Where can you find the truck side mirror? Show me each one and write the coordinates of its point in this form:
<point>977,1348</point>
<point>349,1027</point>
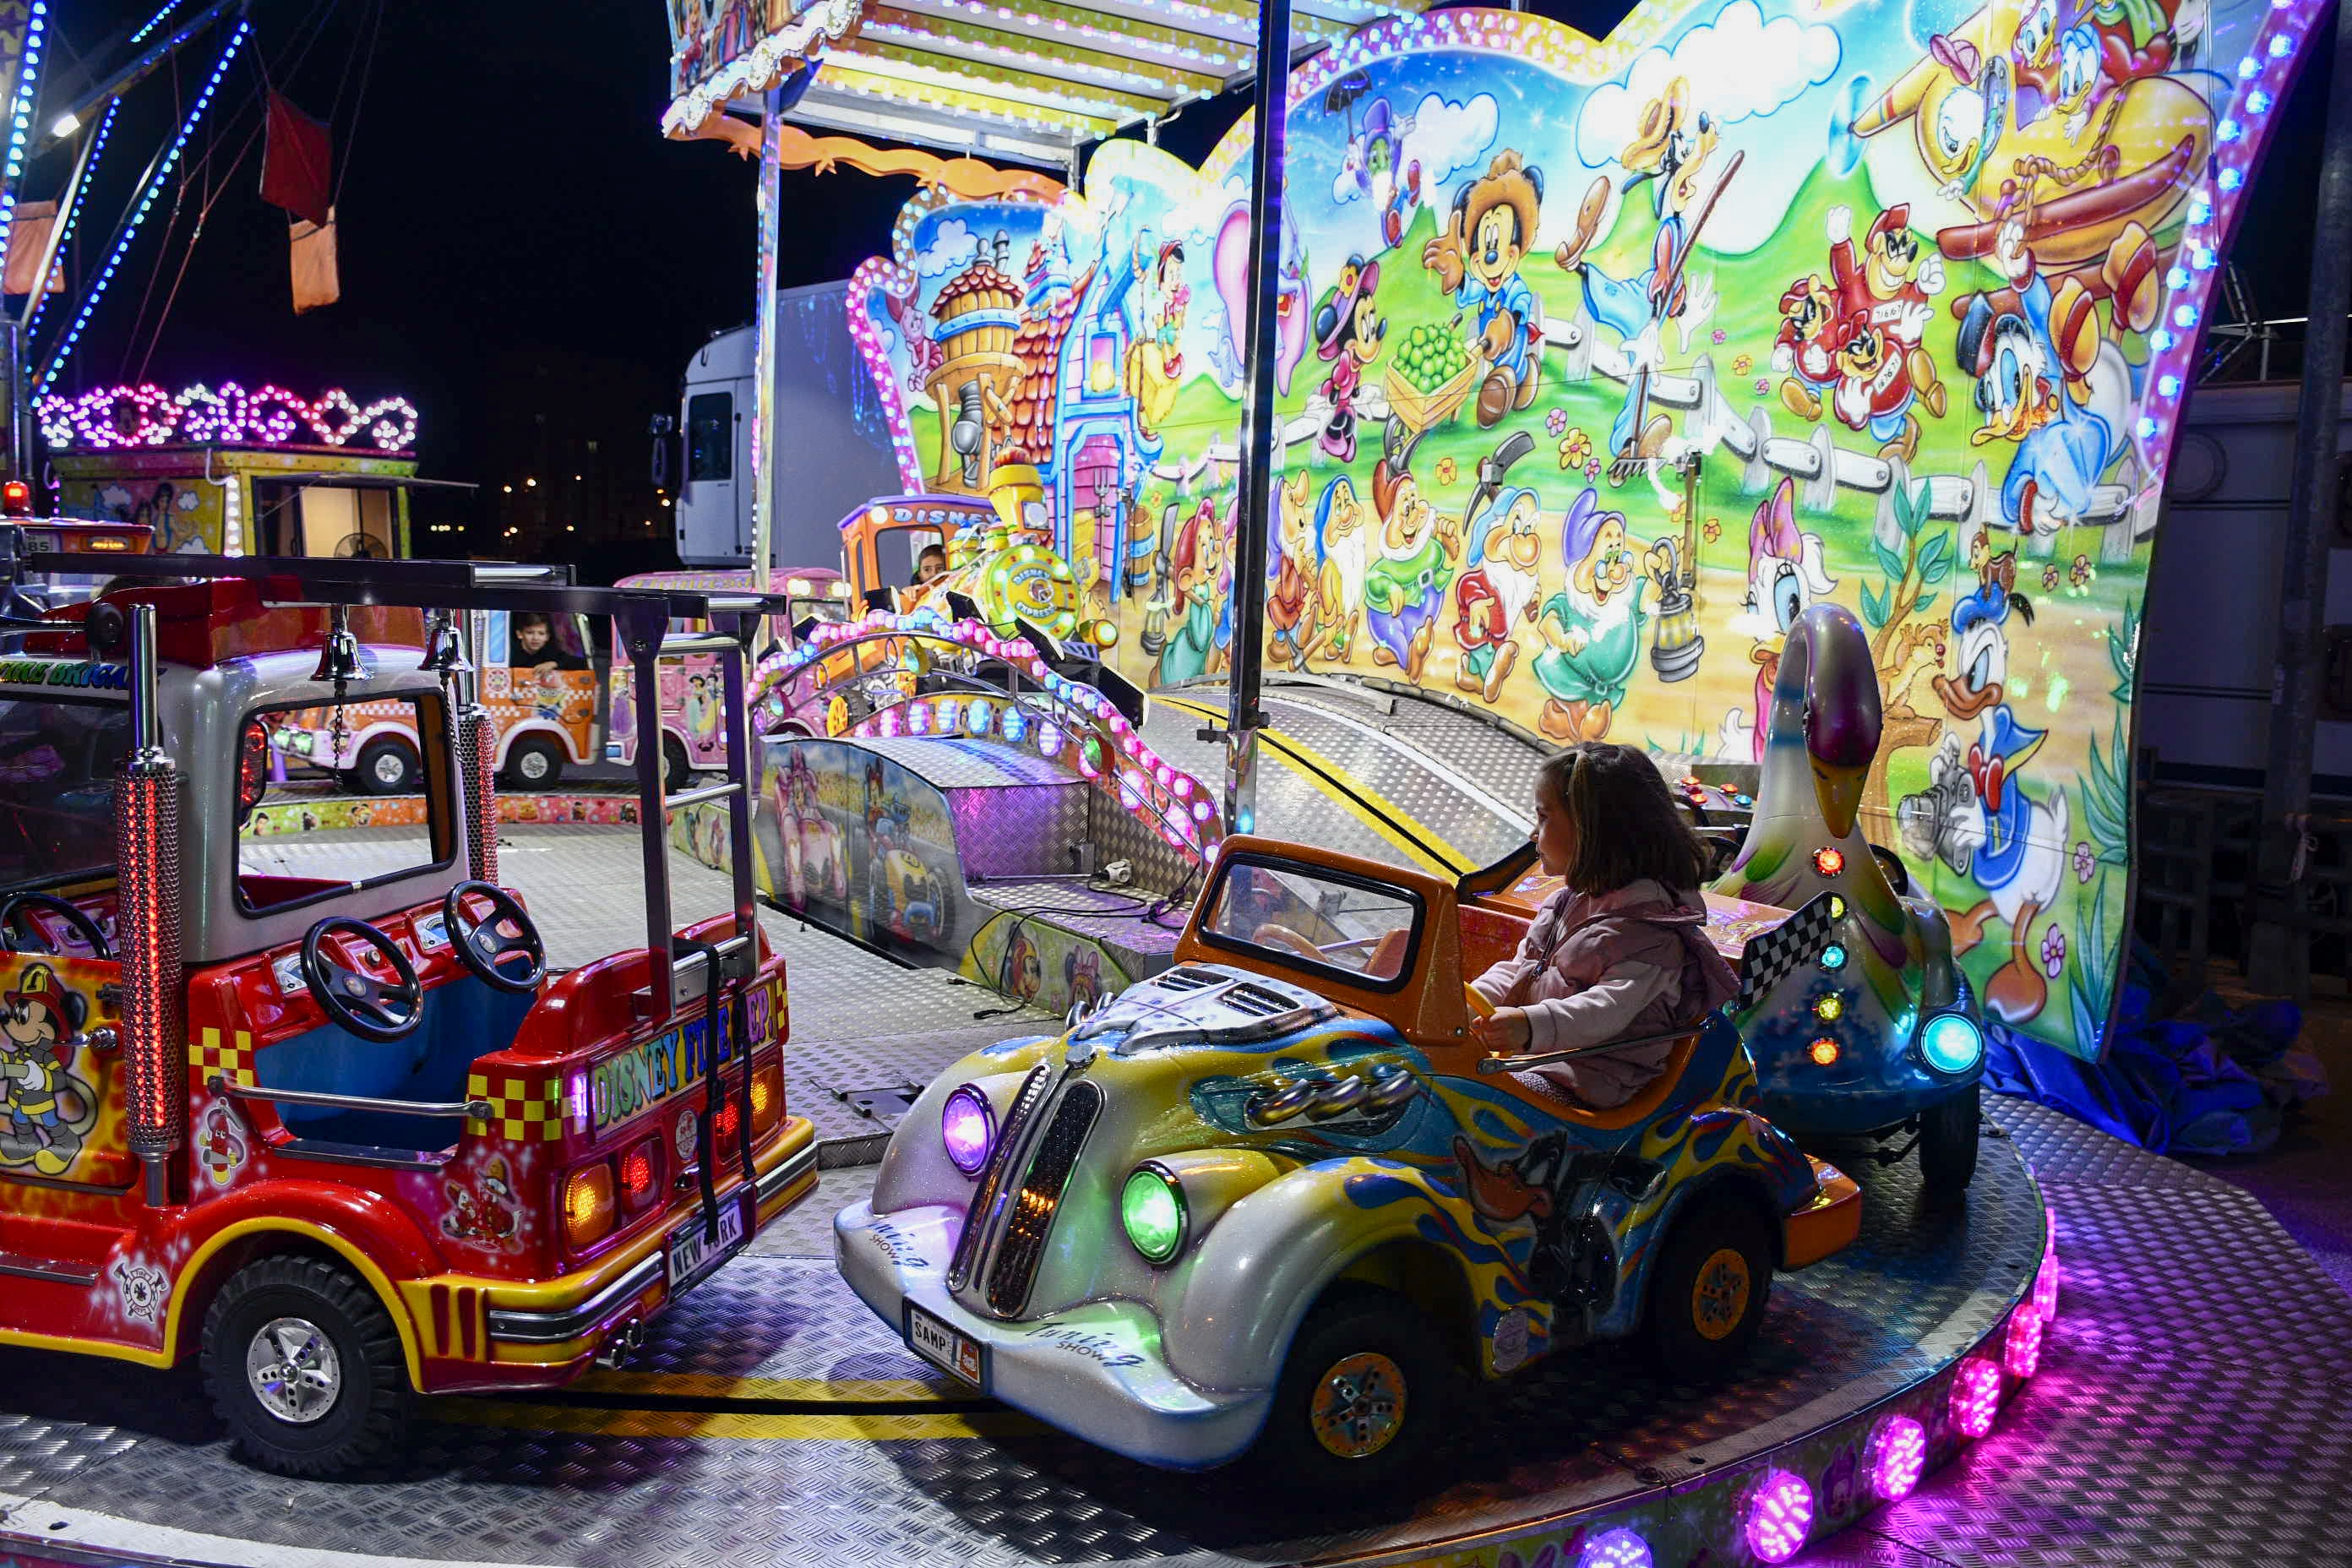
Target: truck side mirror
<point>663,430</point>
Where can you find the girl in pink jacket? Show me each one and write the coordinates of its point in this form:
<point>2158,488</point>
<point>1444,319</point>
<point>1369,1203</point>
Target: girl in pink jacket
<point>1621,948</point>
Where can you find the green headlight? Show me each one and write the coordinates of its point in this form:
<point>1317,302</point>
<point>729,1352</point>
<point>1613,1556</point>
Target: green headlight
<point>1151,1207</point>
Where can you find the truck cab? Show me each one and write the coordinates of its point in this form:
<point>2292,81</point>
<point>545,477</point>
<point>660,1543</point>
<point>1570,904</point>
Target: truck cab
<point>316,1112</point>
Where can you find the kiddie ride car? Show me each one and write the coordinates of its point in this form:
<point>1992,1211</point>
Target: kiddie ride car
<point>317,1110</point>
<point>1860,1022</point>
<point>1266,1196</point>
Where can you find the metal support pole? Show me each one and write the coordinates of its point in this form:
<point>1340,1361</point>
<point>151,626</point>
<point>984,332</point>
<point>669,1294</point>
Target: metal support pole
<point>638,634</point>
<point>2278,949</point>
<point>1269,94</point>
<point>20,463</point>
<point>768,204</point>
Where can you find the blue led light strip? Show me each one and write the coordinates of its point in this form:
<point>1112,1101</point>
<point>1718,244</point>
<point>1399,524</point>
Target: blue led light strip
<point>73,214</point>
<point>156,20</point>
<point>154,186</point>
<point>20,117</point>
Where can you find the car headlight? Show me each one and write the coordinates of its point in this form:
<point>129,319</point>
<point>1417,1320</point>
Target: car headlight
<point>1951,1043</point>
<point>1152,1208</point>
<point>967,1128</point>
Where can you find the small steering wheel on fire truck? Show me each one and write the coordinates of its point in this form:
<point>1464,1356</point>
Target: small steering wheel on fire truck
<point>488,946</point>
<point>16,936</point>
<point>371,1008</point>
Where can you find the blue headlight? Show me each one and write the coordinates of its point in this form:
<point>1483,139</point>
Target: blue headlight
<point>1952,1042</point>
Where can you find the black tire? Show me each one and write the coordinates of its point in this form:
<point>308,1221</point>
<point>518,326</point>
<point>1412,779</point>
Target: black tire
<point>1709,1289</point>
<point>1947,1144</point>
<point>676,770</point>
<point>535,762</point>
<point>1385,1336</point>
<point>386,766</point>
<point>369,1400</point>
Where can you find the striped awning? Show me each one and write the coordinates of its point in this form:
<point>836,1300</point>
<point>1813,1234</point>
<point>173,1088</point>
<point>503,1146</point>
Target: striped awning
<point>1024,80</point>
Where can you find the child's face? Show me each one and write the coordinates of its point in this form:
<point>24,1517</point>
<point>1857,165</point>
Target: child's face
<point>533,635</point>
<point>1555,833</point>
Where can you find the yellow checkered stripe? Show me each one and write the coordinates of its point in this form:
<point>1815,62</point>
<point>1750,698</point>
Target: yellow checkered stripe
<point>520,1111</point>
<point>233,1061</point>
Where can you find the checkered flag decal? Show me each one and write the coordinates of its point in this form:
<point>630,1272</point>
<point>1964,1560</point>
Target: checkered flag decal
<point>1771,956</point>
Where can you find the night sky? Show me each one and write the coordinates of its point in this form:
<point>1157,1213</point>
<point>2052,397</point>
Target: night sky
<point>527,259</point>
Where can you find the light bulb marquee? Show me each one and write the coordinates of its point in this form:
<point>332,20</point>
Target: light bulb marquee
<point>112,418</point>
<point>1062,720</point>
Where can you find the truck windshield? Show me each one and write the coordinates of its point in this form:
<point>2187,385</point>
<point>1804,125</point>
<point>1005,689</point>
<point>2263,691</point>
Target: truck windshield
<point>59,759</point>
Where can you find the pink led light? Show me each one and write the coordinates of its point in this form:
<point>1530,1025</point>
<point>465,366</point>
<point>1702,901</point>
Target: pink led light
<point>1899,1457</point>
<point>1779,1516</point>
<point>1976,1397</point>
<point>1619,1548</point>
<point>2022,1351</point>
<point>2045,1290</point>
<point>114,417</point>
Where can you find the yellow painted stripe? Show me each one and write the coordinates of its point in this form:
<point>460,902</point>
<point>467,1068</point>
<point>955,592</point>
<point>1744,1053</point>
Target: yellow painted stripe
<point>844,1428</point>
<point>1370,810</point>
<point>715,1386</point>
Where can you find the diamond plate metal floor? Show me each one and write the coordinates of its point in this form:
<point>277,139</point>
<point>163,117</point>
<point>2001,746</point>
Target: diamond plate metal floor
<point>771,1418</point>
<point>860,1021</point>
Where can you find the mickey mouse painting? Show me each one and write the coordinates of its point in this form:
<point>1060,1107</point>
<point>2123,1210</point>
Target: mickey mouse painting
<point>49,1111</point>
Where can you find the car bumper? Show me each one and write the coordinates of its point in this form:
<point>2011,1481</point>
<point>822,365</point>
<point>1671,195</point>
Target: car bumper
<point>1095,1371</point>
<point>541,1336</point>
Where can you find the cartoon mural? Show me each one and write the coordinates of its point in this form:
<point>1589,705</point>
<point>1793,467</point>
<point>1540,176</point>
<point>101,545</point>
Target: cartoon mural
<point>1625,353</point>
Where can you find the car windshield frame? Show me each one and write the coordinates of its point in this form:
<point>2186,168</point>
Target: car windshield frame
<point>1287,958</point>
<point>75,876</point>
<point>441,829</point>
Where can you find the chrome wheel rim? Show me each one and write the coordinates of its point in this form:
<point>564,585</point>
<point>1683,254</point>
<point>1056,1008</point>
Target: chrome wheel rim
<point>1359,1405</point>
<point>389,768</point>
<point>293,1371</point>
<point>532,765</point>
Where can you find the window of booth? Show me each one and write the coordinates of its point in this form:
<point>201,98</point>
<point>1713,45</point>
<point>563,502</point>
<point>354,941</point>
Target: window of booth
<point>294,845</point>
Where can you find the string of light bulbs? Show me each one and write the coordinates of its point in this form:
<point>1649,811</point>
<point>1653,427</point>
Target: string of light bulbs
<point>154,186</point>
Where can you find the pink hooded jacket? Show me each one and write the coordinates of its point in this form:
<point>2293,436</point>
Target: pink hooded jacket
<point>1597,967</point>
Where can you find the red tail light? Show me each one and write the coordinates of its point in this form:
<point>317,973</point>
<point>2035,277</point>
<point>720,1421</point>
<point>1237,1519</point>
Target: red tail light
<point>640,1174</point>
<point>725,1126</point>
<point>15,498</point>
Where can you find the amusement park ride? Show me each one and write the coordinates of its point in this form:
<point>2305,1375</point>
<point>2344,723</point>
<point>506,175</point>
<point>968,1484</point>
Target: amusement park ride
<point>1257,1181</point>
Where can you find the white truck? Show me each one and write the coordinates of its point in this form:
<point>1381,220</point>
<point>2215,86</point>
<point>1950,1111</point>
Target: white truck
<point>830,444</point>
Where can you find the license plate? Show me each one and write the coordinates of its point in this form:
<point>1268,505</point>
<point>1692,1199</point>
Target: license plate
<point>693,1255</point>
<point>947,1348</point>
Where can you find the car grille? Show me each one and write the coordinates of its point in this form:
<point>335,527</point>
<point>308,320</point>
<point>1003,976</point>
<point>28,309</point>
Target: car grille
<point>1031,1214</point>
<point>988,1197</point>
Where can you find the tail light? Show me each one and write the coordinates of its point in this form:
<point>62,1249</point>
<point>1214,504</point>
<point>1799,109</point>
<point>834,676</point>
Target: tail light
<point>588,1203</point>
<point>767,1099</point>
<point>641,1175</point>
<point>725,1125</point>
<point>15,498</point>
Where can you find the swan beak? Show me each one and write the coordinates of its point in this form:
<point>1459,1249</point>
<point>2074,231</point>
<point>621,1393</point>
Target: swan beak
<point>1839,790</point>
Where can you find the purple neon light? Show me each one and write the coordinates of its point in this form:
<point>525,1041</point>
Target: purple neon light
<point>966,1128</point>
<point>1779,1516</point>
<point>1619,1548</point>
<point>1976,1397</point>
<point>2022,1353</point>
<point>1899,1457</point>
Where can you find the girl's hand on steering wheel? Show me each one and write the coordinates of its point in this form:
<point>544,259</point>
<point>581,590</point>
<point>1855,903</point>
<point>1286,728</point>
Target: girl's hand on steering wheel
<point>1502,1031</point>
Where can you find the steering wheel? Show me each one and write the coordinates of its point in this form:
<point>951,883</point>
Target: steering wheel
<point>13,934</point>
<point>506,933</point>
<point>360,1002</point>
<point>1274,933</point>
<point>1476,1000</point>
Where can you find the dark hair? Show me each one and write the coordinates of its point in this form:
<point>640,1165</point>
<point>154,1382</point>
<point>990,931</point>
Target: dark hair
<point>527,618</point>
<point>1627,825</point>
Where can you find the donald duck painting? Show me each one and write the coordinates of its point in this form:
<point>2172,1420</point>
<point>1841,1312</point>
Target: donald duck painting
<point>1976,815</point>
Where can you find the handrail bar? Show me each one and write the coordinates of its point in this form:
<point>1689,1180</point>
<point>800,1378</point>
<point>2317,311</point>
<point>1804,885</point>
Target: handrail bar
<point>451,1110</point>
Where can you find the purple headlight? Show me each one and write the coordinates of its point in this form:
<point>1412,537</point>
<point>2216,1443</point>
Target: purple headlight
<point>967,1127</point>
